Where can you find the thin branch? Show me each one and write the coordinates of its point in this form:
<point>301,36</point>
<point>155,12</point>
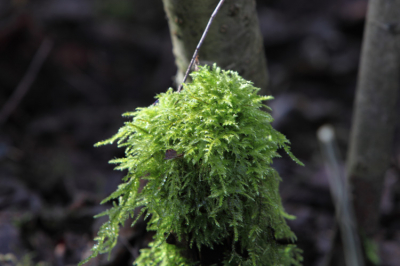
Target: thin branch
<point>340,193</point>
<point>26,82</point>
<point>200,43</point>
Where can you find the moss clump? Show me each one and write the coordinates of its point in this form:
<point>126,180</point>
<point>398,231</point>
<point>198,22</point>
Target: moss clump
<point>206,154</point>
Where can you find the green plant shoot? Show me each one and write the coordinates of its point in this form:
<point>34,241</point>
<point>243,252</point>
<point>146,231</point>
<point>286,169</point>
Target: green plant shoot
<point>206,154</point>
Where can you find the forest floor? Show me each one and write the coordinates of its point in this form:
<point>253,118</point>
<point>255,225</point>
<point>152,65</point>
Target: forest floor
<point>108,57</point>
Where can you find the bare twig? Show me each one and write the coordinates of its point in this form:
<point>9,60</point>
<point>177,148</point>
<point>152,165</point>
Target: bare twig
<point>340,193</point>
<point>200,43</point>
<point>26,82</point>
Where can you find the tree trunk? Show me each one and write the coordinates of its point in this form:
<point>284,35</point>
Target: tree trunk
<point>374,114</point>
<point>234,40</point>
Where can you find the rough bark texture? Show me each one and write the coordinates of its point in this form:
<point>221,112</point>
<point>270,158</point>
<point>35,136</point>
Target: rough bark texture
<point>233,42</point>
<point>374,114</point>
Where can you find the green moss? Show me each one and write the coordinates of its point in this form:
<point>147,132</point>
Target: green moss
<point>371,250</point>
<point>206,154</point>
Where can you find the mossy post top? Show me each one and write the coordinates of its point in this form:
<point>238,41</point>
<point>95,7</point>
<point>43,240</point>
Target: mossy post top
<point>206,154</point>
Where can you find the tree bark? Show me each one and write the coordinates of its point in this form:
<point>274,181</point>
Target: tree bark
<point>374,114</point>
<point>234,40</point>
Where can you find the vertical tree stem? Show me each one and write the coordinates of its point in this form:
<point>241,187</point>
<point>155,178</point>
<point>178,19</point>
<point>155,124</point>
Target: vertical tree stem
<point>233,42</point>
<point>374,113</point>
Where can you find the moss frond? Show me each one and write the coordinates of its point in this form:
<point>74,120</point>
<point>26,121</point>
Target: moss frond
<point>219,182</point>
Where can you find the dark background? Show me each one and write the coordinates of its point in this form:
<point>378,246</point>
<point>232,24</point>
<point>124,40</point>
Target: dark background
<point>109,57</point>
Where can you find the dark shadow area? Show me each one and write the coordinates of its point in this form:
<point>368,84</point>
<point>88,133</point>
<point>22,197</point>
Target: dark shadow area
<point>109,57</point>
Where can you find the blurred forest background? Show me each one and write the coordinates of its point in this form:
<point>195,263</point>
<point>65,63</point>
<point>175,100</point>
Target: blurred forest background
<point>106,57</point>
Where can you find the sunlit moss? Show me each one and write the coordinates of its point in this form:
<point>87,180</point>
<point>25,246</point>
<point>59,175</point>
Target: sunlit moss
<point>206,154</point>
